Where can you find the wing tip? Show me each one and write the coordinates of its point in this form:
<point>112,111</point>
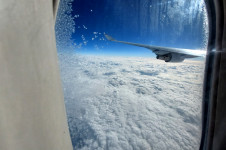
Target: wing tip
<point>109,37</point>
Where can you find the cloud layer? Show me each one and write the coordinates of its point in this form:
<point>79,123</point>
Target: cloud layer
<point>132,103</point>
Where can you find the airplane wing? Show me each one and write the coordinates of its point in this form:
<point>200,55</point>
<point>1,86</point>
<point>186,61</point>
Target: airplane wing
<point>163,51</point>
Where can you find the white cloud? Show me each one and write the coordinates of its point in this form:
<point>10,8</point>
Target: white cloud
<point>132,103</point>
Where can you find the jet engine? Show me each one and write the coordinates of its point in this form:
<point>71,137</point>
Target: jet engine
<point>171,57</point>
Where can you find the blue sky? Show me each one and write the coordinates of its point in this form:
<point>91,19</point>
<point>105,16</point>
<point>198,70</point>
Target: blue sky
<point>172,23</point>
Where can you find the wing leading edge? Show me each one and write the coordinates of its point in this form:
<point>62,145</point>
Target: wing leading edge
<point>161,51</point>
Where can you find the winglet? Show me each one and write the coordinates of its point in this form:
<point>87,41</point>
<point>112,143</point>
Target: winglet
<point>109,37</point>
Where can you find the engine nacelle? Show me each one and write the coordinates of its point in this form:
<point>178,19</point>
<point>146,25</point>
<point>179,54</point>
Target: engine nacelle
<point>171,57</point>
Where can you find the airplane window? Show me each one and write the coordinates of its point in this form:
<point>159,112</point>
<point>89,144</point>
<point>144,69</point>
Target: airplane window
<point>132,72</point>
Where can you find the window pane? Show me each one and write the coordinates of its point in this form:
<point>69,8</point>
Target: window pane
<point>119,96</point>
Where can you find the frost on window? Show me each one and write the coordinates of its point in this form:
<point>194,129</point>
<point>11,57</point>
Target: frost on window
<point>65,26</point>
<point>120,96</point>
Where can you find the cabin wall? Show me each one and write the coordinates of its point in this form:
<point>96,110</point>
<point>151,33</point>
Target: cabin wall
<point>32,111</point>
